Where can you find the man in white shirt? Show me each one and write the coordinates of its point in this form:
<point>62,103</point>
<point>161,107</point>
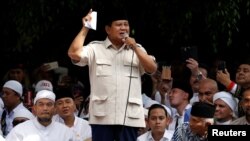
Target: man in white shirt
<point>41,128</point>
<point>158,121</point>
<point>12,98</point>
<point>116,65</point>
<point>65,108</point>
<point>179,97</point>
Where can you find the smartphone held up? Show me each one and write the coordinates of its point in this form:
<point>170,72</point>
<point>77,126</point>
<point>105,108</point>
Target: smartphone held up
<point>189,52</point>
<point>221,66</point>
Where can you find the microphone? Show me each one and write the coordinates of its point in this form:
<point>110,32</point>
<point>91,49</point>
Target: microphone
<point>125,36</point>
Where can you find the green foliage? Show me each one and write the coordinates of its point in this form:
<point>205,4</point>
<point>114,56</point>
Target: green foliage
<point>178,22</point>
<point>223,21</point>
<point>32,19</point>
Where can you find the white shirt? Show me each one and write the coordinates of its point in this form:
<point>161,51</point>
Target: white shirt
<point>81,128</point>
<point>110,75</point>
<point>194,99</point>
<point>148,136</point>
<point>1,138</point>
<point>180,118</point>
<point>32,130</point>
<point>10,117</point>
<point>1,106</point>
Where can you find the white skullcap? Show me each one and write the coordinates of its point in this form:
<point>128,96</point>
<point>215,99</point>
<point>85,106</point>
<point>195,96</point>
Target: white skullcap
<point>147,101</point>
<point>43,85</point>
<point>169,111</point>
<point>15,86</point>
<point>24,113</point>
<point>45,94</point>
<point>227,98</point>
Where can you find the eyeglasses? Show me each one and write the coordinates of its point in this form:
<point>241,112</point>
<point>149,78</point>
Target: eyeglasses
<point>15,122</point>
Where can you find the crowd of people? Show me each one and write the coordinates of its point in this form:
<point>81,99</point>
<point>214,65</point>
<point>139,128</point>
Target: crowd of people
<point>182,102</point>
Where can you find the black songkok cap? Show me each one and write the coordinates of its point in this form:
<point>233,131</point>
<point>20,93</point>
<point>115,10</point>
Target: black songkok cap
<point>203,110</point>
<point>183,85</point>
<point>114,12</point>
<point>63,93</point>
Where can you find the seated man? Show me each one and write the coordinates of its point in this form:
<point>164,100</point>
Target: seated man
<point>158,121</point>
<point>226,106</point>
<point>42,127</point>
<point>65,108</point>
<point>244,120</point>
<point>197,127</point>
<point>12,93</point>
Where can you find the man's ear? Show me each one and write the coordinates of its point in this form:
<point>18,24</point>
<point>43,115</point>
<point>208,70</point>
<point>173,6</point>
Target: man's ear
<point>33,110</point>
<point>186,95</point>
<point>107,29</point>
<point>168,120</point>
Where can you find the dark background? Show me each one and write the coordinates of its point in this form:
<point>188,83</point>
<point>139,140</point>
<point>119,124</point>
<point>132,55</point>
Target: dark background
<point>41,31</point>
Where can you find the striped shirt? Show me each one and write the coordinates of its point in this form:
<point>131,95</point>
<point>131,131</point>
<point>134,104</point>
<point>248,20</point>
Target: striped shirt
<point>184,133</point>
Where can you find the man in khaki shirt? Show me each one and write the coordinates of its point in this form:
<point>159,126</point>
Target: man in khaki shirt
<point>115,68</point>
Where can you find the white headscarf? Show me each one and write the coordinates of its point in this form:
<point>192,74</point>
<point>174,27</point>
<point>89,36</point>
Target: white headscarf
<point>227,98</point>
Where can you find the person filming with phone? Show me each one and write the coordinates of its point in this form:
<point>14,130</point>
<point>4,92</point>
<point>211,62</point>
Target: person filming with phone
<point>241,82</point>
<point>115,68</point>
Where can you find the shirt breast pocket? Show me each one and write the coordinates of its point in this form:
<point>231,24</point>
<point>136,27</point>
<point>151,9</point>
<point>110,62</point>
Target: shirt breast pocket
<point>99,105</point>
<point>131,66</point>
<point>134,108</point>
<point>104,67</point>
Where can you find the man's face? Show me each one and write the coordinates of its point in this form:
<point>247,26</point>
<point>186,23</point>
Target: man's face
<point>197,125</point>
<point>243,75</point>
<point>222,111</point>
<point>246,102</point>
<point>158,121</point>
<point>117,29</point>
<point>206,92</point>
<point>10,97</point>
<point>194,82</point>
<point>65,107</point>
<point>165,86</point>
<point>177,97</point>
<point>16,74</point>
<point>44,109</point>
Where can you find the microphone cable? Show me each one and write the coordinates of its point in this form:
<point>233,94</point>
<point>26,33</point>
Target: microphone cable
<point>129,86</point>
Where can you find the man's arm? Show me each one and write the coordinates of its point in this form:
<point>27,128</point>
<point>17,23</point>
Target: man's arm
<point>75,49</point>
<point>147,61</point>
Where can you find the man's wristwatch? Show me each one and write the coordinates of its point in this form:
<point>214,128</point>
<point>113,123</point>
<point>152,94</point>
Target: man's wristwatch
<point>199,76</point>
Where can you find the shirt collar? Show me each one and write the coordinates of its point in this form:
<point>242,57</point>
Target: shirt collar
<point>19,106</point>
<point>166,137</point>
<point>108,44</point>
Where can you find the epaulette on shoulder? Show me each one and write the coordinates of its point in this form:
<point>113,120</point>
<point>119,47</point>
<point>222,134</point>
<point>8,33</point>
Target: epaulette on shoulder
<point>96,42</point>
<point>139,45</point>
